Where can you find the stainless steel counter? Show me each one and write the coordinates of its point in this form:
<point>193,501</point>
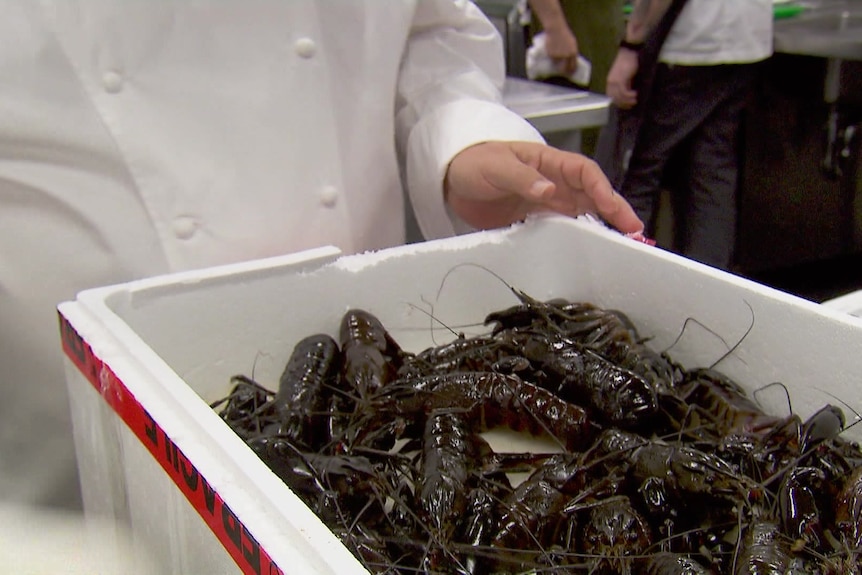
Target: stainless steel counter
<point>829,29</point>
<point>554,108</point>
<point>825,29</point>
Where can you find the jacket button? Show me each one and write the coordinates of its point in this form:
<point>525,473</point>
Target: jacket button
<point>328,196</point>
<point>112,82</point>
<point>305,47</point>
<point>184,227</point>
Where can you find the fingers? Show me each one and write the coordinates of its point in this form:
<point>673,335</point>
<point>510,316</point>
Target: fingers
<point>620,78</point>
<point>517,173</point>
<point>609,205</point>
<point>567,65</point>
<point>621,93</point>
<point>496,183</point>
<point>562,47</point>
<point>580,186</point>
<point>616,211</point>
<point>623,97</point>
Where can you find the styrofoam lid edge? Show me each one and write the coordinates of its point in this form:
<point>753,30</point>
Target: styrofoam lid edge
<point>849,303</point>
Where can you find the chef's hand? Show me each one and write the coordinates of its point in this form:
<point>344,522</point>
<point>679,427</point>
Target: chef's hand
<point>562,47</point>
<point>495,184</point>
<point>620,77</point>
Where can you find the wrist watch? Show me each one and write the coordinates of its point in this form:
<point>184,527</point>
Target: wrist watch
<point>633,46</point>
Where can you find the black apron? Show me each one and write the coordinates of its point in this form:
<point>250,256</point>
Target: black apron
<point>618,137</point>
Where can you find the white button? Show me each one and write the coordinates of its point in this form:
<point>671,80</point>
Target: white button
<point>328,196</point>
<point>112,82</point>
<point>184,227</point>
<point>305,47</point>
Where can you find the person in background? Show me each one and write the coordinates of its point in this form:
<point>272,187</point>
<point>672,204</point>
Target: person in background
<point>142,138</point>
<point>588,27</point>
<point>690,122</point>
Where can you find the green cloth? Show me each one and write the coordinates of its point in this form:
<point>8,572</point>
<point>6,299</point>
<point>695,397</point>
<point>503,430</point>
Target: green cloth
<point>598,25</point>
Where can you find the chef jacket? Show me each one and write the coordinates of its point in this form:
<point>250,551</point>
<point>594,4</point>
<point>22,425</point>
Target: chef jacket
<point>143,137</point>
<point>709,32</point>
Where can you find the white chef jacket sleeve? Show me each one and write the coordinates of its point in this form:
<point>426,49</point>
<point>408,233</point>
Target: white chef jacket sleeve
<point>449,98</point>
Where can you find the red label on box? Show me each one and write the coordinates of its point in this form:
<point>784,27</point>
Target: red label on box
<point>229,530</point>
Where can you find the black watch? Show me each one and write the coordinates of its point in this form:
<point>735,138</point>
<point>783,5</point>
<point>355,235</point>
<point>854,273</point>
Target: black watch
<point>633,46</point>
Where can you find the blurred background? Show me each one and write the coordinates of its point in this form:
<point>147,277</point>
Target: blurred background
<point>800,194</point>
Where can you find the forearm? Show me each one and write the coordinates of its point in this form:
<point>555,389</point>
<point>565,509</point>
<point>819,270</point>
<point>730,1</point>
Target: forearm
<point>646,14</point>
<point>549,13</point>
<point>448,100</point>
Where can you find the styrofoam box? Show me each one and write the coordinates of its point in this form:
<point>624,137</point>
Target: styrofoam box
<point>849,303</point>
<point>145,359</point>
